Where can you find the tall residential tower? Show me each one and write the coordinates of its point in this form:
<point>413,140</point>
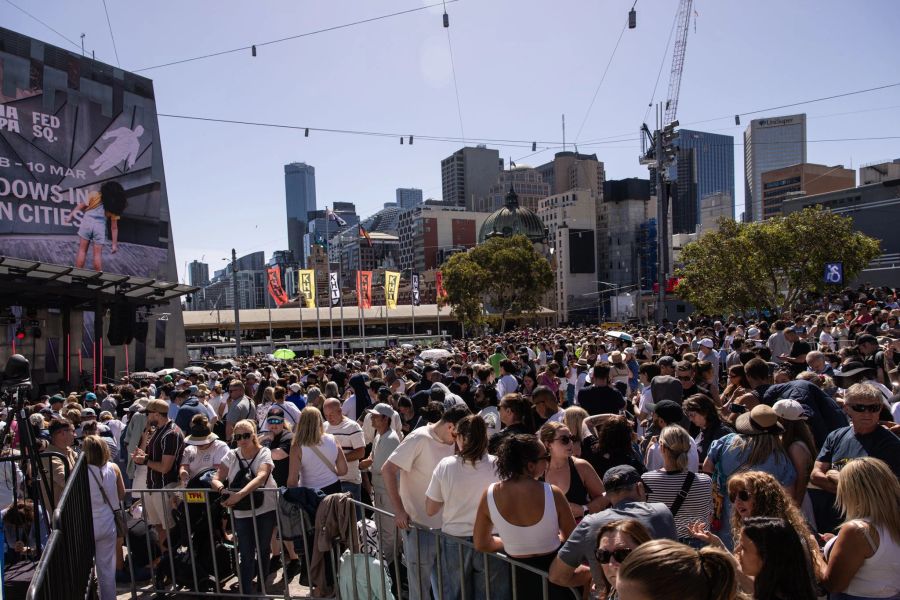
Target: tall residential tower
<point>300,197</point>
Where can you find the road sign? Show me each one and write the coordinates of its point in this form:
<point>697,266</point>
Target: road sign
<point>834,273</point>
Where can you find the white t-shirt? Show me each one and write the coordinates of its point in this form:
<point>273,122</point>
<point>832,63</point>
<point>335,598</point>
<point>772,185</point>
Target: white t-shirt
<point>416,457</point>
<point>264,457</point>
<point>197,459</point>
<point>348,406</point>
<point>453,475</point>
<point>558,417</point>
<point>314,473</point>
<point>506,385</point>
<point>654,458</point>
<point>349,436</point>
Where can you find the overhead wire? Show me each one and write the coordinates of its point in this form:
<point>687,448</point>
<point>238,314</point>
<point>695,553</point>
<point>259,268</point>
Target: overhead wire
<point>662,63</point>
<point>293,37</point>
<point>17,7</point>
<point>111,36</point>
<point>462,130</point>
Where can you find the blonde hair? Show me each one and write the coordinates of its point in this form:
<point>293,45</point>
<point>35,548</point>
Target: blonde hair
<point>574,419</point>
<point>95,450</point>
<point>247,424</point>
<point>310,427</point>
<point>677,442</point>
<point>867,489</point>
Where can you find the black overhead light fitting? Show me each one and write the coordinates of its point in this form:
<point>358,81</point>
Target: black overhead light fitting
<point>253,50</point>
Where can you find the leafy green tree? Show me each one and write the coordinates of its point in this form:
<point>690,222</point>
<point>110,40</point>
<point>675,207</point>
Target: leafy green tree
<point>505,274</point>
<point>770,264</point>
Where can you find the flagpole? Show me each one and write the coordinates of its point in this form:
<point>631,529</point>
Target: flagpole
<point>315,283</point>
<point>387,312</point>
<point>328,270</point>
<point>412,303</point>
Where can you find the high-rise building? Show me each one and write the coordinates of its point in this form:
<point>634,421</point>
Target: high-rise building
<point>769,144</point>
<point>571,220</point>
<point>573,171</point>
<point>385,220</point>
<point>300,196</point>
<point>251,279</point>
<point>430,234</point>
<point>878,172</point>
<point>713,208</point>
<point>527,182</point>
<point>198,273</point>
<point>705,165</point>
<point>626,206</point>
<point>321,229</point>
<point>409,198</point>
<point>804,179</point>
<point>468,174</point>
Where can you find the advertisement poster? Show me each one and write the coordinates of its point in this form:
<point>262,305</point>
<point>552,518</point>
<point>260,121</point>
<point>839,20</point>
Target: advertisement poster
<point>391,288</point>
<point>308,286</point>
<point>439,285</point>
<point>81,179</point>
<point>364,288</point>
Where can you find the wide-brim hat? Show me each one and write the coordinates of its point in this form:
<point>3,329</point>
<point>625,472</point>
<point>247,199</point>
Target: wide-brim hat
<point>851,368</point>
<point>194,440</point>
<point>762,419</point>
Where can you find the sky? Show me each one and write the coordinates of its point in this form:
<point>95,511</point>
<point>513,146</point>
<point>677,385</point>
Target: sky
<point>519,66</point>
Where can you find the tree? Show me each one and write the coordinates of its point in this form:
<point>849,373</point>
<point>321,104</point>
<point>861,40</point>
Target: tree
<point>770,264</point>
<point>505,274</point>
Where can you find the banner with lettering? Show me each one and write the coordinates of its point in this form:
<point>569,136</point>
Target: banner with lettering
<point>276,290</point>
<point>335,287</point>
<point>439,285</point>
<point>308,286</point>
<point>391,288</point>
<point>364,288</point>
<point>415,289</point>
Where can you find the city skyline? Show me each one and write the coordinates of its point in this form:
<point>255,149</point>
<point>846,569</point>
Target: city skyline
<point>222,176</point>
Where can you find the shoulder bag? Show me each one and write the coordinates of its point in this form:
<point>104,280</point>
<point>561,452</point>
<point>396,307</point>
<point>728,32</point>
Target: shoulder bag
<point>331,466</point>
<point>683,493</point>
<point>118,515</point>
<point>240,480</point>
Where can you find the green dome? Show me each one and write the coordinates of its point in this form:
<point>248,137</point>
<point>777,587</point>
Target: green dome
<point>513,219</point>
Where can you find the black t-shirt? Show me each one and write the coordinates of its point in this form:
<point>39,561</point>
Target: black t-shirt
<point>843,445</point>
<point>799,348</point>
<point>283,442</point>
<point>167,441</point>
<point>600,400</point>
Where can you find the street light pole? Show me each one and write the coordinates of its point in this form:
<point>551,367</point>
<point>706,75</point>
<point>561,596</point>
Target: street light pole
<point>237,312</point>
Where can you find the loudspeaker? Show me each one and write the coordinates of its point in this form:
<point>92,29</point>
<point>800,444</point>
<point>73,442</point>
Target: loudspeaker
<point>121,324</point>
<point>140,331</point>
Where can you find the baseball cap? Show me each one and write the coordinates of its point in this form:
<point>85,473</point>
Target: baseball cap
<point>88,414</point>
<point>668,410</point>
<point>620,477</point>
<point>706,342</point>
<point>383,409</point>
<point>90,397</point>
<point>158,405</point>
<point>295,387</point>
<point>57,399</point>
<point>790,410</point>
<point>666,387</point>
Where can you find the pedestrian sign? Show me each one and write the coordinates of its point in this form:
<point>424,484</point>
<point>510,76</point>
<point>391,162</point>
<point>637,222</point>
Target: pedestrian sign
<point>834,273</point>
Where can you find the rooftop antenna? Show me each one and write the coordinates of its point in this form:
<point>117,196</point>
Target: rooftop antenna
<point>564,131</point>
<point>82,44</point>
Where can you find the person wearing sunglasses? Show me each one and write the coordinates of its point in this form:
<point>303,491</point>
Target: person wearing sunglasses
<point>617,539</point>
<point>574,476</point>
<point>528,532</point>
<point>865,436</point>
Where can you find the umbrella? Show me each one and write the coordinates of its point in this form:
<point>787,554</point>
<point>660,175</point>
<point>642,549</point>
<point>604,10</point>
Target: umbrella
<point>195,370</point>
<point>284,354</point>
<point>620,335</point>
<point>165,372</point>
<point>407,346</point>
<point>225,363</point>
<point>434,353</point>
<point>143,375</point>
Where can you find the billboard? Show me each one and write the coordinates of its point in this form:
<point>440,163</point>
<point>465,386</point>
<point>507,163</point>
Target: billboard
<point>81,178</point>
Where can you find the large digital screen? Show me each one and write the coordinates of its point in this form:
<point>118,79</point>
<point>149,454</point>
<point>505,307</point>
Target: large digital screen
<point>81,177</point>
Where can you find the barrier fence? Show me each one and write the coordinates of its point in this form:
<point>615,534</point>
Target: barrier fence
<point>340,555</point>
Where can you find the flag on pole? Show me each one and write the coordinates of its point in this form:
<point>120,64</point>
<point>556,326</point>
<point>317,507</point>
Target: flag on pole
<point>275,288</point>
<point>335,288</point>
<point>365,234</point>
<point>440,292</point>
<point>333,216</point>
<point>308,286</point>
<point>415,289</point>
<point>391,288</point>
<point>364,288</point>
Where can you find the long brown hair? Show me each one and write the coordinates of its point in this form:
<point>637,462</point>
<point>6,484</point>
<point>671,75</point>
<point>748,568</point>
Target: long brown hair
<point>475,440</point>
<point>630,527</point>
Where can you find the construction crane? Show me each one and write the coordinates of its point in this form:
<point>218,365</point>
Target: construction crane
<point>683,20</point>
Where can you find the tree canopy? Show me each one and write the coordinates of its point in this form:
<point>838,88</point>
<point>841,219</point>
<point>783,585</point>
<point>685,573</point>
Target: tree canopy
<point>772,263</point>
<point>504,274</point>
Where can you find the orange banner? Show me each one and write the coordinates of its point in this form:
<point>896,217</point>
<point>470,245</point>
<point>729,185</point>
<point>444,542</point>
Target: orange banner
<point>275,289</point>
<point>364,288</point>
<point>440,292</point>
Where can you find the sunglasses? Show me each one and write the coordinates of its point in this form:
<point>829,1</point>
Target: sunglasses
<point>242,436</point>
<point>605,556</point>
<point>565,440</point>
<point>274,421</point>
<point>872,408</point>
<point>685,378</point>
<point>743,496</point>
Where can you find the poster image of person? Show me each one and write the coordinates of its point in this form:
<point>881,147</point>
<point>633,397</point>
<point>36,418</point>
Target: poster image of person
<point>125,146</point>
<point>108,203</point>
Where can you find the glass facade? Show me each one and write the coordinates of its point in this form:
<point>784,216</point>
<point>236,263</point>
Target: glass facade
<point>300,198</point>
<point>770,144</point>
<point>705,167</point>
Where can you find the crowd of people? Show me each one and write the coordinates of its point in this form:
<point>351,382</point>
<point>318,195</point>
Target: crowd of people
<point>744,457</point>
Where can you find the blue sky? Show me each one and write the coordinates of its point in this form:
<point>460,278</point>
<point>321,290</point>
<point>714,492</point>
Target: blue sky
<point>519,64</point>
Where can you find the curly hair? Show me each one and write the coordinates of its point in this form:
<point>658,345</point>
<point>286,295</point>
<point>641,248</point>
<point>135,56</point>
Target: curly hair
<point>769,500</point>
<point>514,454</point>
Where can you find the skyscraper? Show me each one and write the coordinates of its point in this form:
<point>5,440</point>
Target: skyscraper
<point>198,273</point>
<point>705,166</point>
<point>300,197</point>
<point>770,144</point>
<point>468,174</point>
<point>409,198</point>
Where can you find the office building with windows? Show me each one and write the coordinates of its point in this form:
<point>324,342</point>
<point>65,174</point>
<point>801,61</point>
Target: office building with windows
<point>300,198</point>
<point>468,174</point>
<point>769,144</point>
<point>805,179</point>
<point>409,198</point>
<point>705,166</point>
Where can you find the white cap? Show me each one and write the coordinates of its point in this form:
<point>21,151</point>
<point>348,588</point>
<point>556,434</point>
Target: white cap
<point>706,342</point>
<point>790,410</point>
<point>295,387</point>
<point>753,332</point>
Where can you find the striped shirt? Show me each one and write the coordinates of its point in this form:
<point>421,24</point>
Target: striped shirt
<point>697,506</point>
<point>349,437</point>
<point>167,441</point>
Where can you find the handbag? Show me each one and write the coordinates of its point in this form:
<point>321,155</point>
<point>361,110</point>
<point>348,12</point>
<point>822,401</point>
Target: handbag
<point>118,515</point>
<point>240,481</point>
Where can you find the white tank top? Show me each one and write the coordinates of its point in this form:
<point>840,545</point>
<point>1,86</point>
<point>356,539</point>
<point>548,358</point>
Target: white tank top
<point>313,471</point>
<point>878,576</point>
<point>106,477</point>
<point>540,538</point>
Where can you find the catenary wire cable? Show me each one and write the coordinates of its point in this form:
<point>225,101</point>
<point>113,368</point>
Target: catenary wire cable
<point>111,36</point>
<point>19,8</point>
<point>462,130</point>
<point>662,63</point>
<point>602,79</point>
<point>292,37</point>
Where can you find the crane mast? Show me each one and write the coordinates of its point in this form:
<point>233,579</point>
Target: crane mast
<point>683,21</point>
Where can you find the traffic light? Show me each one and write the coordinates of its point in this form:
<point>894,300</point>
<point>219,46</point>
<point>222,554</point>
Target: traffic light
<point>20,333</point>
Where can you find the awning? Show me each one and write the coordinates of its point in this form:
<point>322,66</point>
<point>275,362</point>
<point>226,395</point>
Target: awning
<point>28,282</point>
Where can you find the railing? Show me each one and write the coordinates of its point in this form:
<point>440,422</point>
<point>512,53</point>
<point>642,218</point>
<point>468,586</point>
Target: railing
<point>204,559</point>
<point>65,566</point>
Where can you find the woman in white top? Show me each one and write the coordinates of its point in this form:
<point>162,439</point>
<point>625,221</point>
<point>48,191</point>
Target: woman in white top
<point>472,469</point>
<point>316,461</point>
<point>259,514</point>
<point>863,558</point>
<point>203,450</point>
<point>529,532</point>
<point>107,492</point>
